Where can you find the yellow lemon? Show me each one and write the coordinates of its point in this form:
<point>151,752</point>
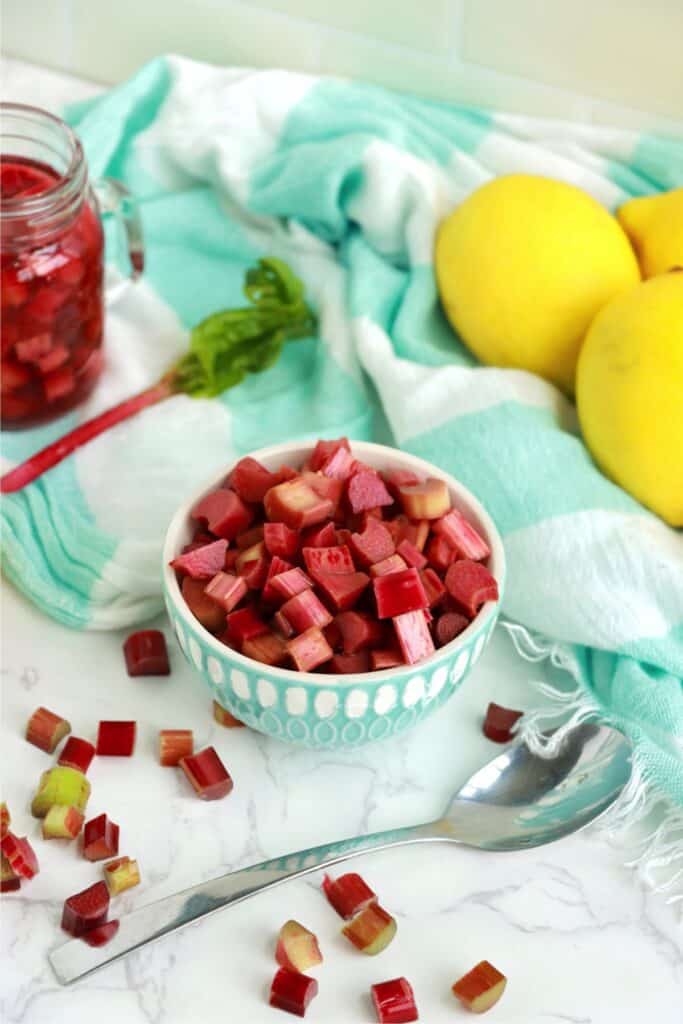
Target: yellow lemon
<point>523,265</point>
<point>629,393</point>
<point>655,226</point>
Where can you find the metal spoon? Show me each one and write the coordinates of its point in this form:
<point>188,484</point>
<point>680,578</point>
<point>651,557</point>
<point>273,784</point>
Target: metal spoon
<point>516,801</point>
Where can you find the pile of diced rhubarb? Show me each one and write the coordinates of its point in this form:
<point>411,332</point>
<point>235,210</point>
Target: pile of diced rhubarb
<point>334,566</point>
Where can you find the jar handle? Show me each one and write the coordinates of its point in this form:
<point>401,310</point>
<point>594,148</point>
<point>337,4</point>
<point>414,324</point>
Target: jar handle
<point>116,200</point>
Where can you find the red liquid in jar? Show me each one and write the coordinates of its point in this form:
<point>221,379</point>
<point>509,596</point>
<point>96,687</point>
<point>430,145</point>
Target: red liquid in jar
<point>52,309</point>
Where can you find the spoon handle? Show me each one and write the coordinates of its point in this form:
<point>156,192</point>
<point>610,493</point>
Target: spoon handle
<point>75,958</point>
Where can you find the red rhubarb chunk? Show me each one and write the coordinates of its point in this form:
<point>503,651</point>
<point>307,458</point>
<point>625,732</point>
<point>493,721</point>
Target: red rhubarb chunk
<point>342,591</point>
<point>414,638</point>
<point>251,480</point>
<point>207,774</point>
<point>297,948</point>
<point>358,630</point>
<point>283,626</point>
<point>372,930</point>
<point>45,729</point>
<point>349,664</point>
<point>254,573</point>
<point>226,590</point>
<point>462,536</point>
<point>324,450</point>
<point>101,935</point>
<point>204,608</point>
<point>268,648</point>
<point>309,649</point>
<point>366,490</point>
<point>440,553</point>
<point>480,988</point>
<point>388,565</point>
<point>77,754</point>
<point>100,838</point>
<point>244,625</point>
<point>296,504</point>
<point>224,513</point>
<point>411,554</point>
<point>448,626</point>
<point>305,611</point>
<point>394,1002</point>
<point>174,745</point>
<point>339,465</point>
<point>499,722</point>
<point>292,991</point>
<point>322,536</point>
<point>116,739</point>
<point>326,487</point>
<point>225,718</point>
<point>373,545</point>
<point>277,567</point>
<point>398,593</point>
<point>289,584</point>
<point>385,657</point>
<point>202,563</point>
<point>349,894</point>
<point>328,560</point>
<point>145,653</point>
<point>87,909</point>
<point>280,540</point>
<point>20,855</point>
<point>434,588</point>
<point>470,584</point>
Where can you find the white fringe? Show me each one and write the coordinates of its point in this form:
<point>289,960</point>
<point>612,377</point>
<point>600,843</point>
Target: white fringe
<point>660,848</point>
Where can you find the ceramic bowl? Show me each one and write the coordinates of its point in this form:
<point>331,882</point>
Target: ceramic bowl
<point>317,709</point>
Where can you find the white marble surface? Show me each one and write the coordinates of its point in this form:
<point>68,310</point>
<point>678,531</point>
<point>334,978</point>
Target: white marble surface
<point>579,938</point>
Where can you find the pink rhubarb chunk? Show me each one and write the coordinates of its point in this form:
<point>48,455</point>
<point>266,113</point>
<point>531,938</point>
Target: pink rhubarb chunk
<point>462,536</point>
<point>86,910</point>
<point>349,894</point>
<point>202,563</point>
<point>207,774</point>
<point>398,593</point>
<point>414,638</point>
<point>296,505</point>
<point>366,490</point>
<point>309,649</point>
<point>224,513</point>
<point>470,584</point>
<point>145,653</point>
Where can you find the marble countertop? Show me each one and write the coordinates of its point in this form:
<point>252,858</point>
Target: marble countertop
<point>579,938</point>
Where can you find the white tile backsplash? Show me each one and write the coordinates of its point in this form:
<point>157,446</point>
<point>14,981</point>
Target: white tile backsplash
<point>614,61</point>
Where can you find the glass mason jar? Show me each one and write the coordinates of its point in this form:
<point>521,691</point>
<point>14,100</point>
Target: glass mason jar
<point>52,265</point>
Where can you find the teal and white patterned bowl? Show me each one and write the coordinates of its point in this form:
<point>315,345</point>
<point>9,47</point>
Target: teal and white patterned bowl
<point>331,711</point>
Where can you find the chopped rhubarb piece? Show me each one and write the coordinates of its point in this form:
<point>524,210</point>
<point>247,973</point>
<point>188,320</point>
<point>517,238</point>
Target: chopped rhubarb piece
<point>207,774</point>
<point>309,649</point>
<point>85,910</point>
<point>224,513</point>
<point>326,487</point>
<point>349,894</point>
<point>462,536</point>
<point>305,611</point>
<point>411,554</point>
<point>434,588</point>
<point>358,631</point>
<point>20,855</point>
<point>292,991</point>
<point>428,500</point>
<point>283,626</point>
<point>145,653</point>
<point>204,609</point>
<point>254,573</point>
<point>397,478</point>
<point>394,1002</point>
<point>385,657</point>
<point>328,560</point>
<point>366,489</point>
<point>297,948</point>
<point>470,584</point>
<point>297,505</point>
<point>277,567</point>
<point>324,450</point>
<point>268,648</point>
<point>45,729</point>
<point>202,563</point>
<point>398,593</point>
<point>9,881</point>
<point>414,638</point>
<point>62,822</point>
<point>339,465</point>
<point>373,545</point>
<point>448,626</point>
<point>499,721</point>
<point>77,753</point>
<point>101,935</point>
<point>372,930</point>
<point>388,565</point>
<point>249,537</point>
<point>440,554</point>
<point>121,874</point>
<point>342,592</point>
<point>280,540</point>
<point>251,480</point>
<point>116,739</point>
<point>100,838</point>
<point>174,745</point>
<point>349,664</point>
<point>322,536</point>
<point>480,988</point>
<point>225,718</point>
<point>5,819</point>
<point>226,590</point>
<point>253,554</point>
<point>244,625</point>
<point>30,350</point>
<point>289,584</point>
<point>60,785</point>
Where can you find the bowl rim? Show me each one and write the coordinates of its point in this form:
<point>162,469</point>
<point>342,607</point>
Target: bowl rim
<point>487,613</point>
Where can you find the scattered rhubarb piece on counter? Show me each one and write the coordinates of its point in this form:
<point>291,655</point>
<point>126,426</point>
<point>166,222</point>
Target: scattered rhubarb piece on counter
<point>470,584</point>
<point>448,626</point>
<point>207,774</point>
<point>394,1001</point>
<point>121,874</point>
<point>292,991</point>
<point>309,649</point>
<point>372,930</point>
<point>462,536</point>
<point>499,721</point>
<point>9,880</point>
<point>20,855</point>
<point>224,718</point>
<point>62,822</point>
<point>145,653</point>
<point>480,988</point>
<point>77,754</point>
<point>297,948</point>
<point>174,745</point>
<point>349,894</point>
<point>85,910</point>
<point>5,819</point>
<point>414,638</point>
<point>60,785</point>
<point>116,739</point>
<point>100,838</point>
<point>398,593</point>
<point>45,729</point>
<point>202,563</point>
<point>102,934</point>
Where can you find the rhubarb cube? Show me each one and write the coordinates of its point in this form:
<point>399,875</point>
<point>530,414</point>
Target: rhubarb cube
<point>20,856</point>
<point>116,739</point>
<point>146,654</point>
<point>297,948</point>
<point>268,648</point>
<point>448,626</point>
<point>394,1002</point>
<point>225,718</point>
<point>439,553</point>
<point>296,504</point>
<point>62,822</point>
<point>101,935</point>
<point>414,638</point>
<point>280,540</point>
<point>322,536</point>
<point>428,500</point>
<point>174,745</point>
<point>366,490</point>
<point>309,649</point>
<point>277,567</point>
<point>249,537</point>
<point>480,988</point>
<point>470,584</point>
<point>324,450</point>
<point>100,838</point>
<point>251,480</point>
<point>207,774</point>
<point>398,593</point>
<point>5,819</point>
<point>60,785</point>
<point>411,554</point>
<point>121,874</point>
<point>499,722</point>
<point>339,465</point>
<point>385,657</point>
<point>224,513</point>
<point>202,563</point>
<point>226,590</point>
<point>342,592</point>
<point>9,880</point>
<point>358,631</point>
<point>462,536</point>
<point>388,565</point>
<point>289,584</point>
<point>254,573</point>
<point>45,729</point>
<point>85,910</point>
<point>434,588</point>
<point>292,991</point>
<point>305,611</point>
<point>77,754</point>
<point>349,664</point>
<point>349,894</point>
<point>204,608</point>
<point>335,560</point>
<point>373,545</point>
<point>251,554</point>
<point>243,625</point>
<point>372,930</point>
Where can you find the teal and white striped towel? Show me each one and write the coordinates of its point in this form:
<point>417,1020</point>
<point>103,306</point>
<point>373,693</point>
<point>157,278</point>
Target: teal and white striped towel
<point>347,182</point>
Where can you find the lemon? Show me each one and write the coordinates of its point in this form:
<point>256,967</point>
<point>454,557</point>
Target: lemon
<point>629,393</point>
<point>655,226</point>
<point>523,265</point>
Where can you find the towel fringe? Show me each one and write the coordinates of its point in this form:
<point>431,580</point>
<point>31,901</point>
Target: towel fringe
<point>656,853</point>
